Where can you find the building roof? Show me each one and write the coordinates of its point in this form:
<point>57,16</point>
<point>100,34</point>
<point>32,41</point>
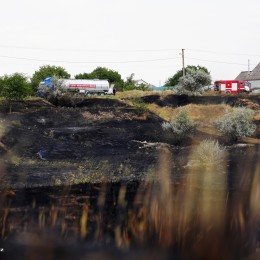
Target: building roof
<point>255,74</point>
<point>243,75</point>
<point>250,75</point>
<point>141,81</point>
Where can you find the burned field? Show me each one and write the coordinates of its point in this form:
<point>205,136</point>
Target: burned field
<point>95,139</point>
<point>98,178</point>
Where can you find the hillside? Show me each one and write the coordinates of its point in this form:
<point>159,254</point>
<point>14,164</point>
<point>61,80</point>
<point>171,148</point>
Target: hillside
<point>97,177</point>
<point>110,135</point>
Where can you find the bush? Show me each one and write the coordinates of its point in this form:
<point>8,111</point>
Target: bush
<point>140,106</point>
<point>179,129</point>
<point>14,87</point>
<point>194,82</point>
<point>210,152</point>
<point>236,124</point>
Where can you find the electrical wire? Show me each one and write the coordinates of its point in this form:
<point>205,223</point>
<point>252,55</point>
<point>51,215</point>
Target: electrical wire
<point>120,62</point>
<point>225,53</point>
<point>85,62</point>
<point>86,50</point>
<point>123,51</point>
<point>214,61</point>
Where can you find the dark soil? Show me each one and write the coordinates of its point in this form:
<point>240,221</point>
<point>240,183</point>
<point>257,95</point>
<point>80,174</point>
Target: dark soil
<point>43,142</point>
<point>182,100</point>
<point>99,130</point>
<point>48,148</point>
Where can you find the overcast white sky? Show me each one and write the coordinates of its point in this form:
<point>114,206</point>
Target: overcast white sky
<point>144,37</point>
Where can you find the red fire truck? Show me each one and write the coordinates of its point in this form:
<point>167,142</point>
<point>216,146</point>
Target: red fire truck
<point>232,86</point>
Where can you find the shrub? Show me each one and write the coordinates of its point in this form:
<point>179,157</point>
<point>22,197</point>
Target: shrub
<point>66,100</point>
<point>210,152</point>
<point>194,82</point>
<point>14,87</point>
<point>140,106</point>
<point>236,124</point>
<point>179,129</point>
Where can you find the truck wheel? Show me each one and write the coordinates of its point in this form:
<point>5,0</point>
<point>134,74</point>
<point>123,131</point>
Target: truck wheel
<point>227,92</point>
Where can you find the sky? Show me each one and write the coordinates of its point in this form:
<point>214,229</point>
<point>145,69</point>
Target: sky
<point>144,37</point>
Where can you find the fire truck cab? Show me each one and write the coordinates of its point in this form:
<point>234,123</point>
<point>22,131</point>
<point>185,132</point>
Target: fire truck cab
<point>232,86</point>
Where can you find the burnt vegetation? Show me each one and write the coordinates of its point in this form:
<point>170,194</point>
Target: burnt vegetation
<point>98,177</point>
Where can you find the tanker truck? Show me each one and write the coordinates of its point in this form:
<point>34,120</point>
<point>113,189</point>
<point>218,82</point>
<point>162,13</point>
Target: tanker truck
<point>79,86</point>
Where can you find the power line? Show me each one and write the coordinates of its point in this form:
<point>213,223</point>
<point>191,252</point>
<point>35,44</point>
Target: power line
<point>223,62</point>
<point>225,53</point>
<point>119,62</point>
<point>121,51</point>
<point>84,50</point>
<point>85,62</point>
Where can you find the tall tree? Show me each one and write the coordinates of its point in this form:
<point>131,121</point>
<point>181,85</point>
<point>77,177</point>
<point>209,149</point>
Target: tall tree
<point>174,80</point>
<point>103,73</point>
<point>84,76</point>
<point>130,83</point>
<point>193,82</point>
<point>48,71</point>
<point>14,87</point>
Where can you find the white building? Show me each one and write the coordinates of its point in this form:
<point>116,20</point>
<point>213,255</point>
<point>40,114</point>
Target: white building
<point>141,82</point>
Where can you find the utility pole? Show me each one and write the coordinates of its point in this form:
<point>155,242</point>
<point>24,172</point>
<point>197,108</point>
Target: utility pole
<point>248,68</point>
<point>183,67</point>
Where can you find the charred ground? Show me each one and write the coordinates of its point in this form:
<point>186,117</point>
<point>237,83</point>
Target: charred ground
<point>42,140</point>
<point>68,159</point>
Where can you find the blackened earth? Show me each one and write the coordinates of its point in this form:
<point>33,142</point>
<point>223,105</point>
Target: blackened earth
<point>69,155</point>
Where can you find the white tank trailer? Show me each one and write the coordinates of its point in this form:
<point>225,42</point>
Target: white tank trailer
<point>81,86</point>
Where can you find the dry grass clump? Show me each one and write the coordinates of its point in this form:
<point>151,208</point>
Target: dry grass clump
<point>210,152</point>
<point>100,116</point>
<point>2,130</point>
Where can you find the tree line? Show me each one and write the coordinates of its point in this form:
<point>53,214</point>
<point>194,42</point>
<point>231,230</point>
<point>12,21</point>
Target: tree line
<point>99,73</point>
<point>17,86</point>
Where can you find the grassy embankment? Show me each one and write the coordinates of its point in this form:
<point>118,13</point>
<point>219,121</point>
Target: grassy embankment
<point>203,115</point>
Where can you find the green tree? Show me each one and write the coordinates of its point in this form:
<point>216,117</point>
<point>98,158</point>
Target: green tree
<point>142,87</point>
<point>48,71</point>
<point>1,85</point>
<point>14,87</point>
<point>193,82</point>
<point>103,73</point>
<point>84,76</point>
<point>174,80</point>
<point>130,83</point>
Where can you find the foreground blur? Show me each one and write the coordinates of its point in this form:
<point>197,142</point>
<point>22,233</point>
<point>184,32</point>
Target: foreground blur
<point>209,211</point>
